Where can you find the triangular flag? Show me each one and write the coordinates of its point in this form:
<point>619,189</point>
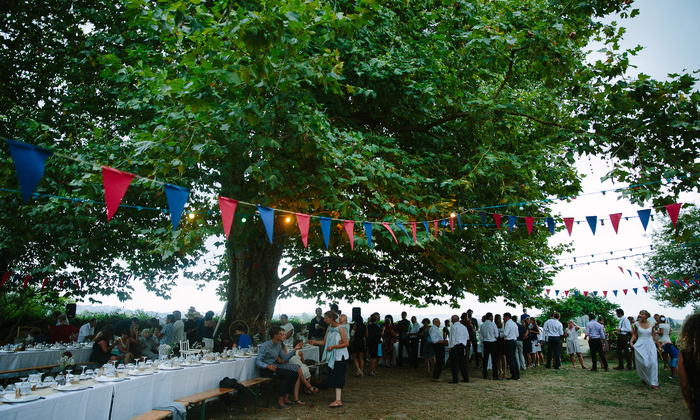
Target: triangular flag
<point>5,276</point>
<point>629,271</point>
<point>452,224</point>
<point>326,229</point>
<point>615,220</point>
<point>177,197</point>
<point>427,230</point>
<point>621,270</point>
<point>268,217</point>
<point>550,225</point>
<point>303,223</point>
<point>644,217</point>
<point>459,221</point>
<point>637,275</point>
<point>569,222</point>
<point>497,219</point>
<point>115,183</point>
<point>566,293</point>
<point>624,291</point>
<point>529,222</point>
<point>595,293</point>
<point>666,283</point>
<point>605,293</point>
<point>43,284</point>
<point>349,228</point>
<point>615,292</point>
<point>435,223</point>
<point>29,163</point>
<point>511,222</point>
<point>368,232</point>
<point>256,266</point>
<point>228,210</point>
<point>413,228</point>
<point>386,225</point>
<point>673,210</point>
<point>592,221</point>
<point>585,293</point>
<point>26,280</point>
<point>547,291</point>
<point>399,224</point>
<point>483,217</point>
<point>656,286</point>
<point>646,290</point>
<point>556,292</point>
<point>576,293</point>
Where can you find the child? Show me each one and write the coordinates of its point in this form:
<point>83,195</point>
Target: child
<point>672,352</point>
<point>298,359</point>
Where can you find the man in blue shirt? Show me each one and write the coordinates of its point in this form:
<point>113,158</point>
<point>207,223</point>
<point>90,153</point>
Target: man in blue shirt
<point>595,335</point>
<point>269,354</point>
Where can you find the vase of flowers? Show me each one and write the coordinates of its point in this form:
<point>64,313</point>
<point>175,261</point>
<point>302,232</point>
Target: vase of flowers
<point>64,362</point>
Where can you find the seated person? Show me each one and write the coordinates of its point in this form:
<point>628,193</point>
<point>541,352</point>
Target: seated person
<point>121,348</point>
<point>305,374</point>
<point>37,336</point>
<point>242,340</point>
<point>148,345</point>
<point>87,331</point>
<point>102,349</point>
<point>272,361</point>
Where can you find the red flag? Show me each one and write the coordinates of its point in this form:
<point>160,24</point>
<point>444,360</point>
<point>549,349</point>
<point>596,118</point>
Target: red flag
<point>46,280</point>
<point>625,291</point>
<point>452,224</point>
<point>115,183</point>
<point>413,228</point>
<point>435,222</point>
<point>386,225</point>
<point>621,270</point>
<point>350,226</point>
<point>255,266</point>
<point>497,219</point>
<point>585,294</point>
<point>5,276</point>
<point>637,275</point>
<point>547,291</point>
<point>605,293</point>
<point>228,209</point>
<point>569,222</point>
<point>566,293</point>
<point>303,223</point>
<point>615,220</point>
<point>646,289</point>
<point>666,283</point>
<point>26,280</point>
<point>673,210</point>
<point>528,222</point>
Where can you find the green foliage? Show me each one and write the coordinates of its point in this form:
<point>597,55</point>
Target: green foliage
<point>572,307</point>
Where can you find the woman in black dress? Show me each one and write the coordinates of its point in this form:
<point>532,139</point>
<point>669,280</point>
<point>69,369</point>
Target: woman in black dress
<point>358,344</point>
<point>689,364</point>
<point>374,339</point>
<point>102,349</point>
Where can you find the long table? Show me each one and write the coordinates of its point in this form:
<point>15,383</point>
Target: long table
<point>29,358</point>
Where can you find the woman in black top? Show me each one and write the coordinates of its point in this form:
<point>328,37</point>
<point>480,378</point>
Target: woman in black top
<point>374,338</point>
<point>688,343</point>
<point>102,349</point>
<point>358,344</point>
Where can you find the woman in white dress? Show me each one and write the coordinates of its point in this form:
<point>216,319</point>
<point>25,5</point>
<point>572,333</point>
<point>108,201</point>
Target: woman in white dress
<point>572,345</point>
<point>644,344</point>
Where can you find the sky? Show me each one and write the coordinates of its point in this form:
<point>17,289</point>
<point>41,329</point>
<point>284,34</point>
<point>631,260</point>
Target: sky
<point>669,32</point>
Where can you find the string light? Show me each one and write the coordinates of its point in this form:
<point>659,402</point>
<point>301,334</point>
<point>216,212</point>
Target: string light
<point>288,219</point>
<point>191,216</point>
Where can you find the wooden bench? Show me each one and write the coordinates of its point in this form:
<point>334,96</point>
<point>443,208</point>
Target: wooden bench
<point>255,385</point>
<point>202,397</point>
<point>156,414</point>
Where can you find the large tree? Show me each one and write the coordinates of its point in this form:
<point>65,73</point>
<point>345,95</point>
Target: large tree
<point>352,110</point>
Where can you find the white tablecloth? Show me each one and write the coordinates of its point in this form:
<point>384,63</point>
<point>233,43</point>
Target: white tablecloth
<point>89,404</point>
<point>25,359</point>
<point>311,353</point>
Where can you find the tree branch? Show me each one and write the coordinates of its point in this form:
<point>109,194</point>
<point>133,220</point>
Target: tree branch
<point>508,75</point>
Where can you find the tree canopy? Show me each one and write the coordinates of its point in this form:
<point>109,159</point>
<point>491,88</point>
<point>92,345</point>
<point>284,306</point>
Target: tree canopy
<point>353,110</point>
<point>577,304</point>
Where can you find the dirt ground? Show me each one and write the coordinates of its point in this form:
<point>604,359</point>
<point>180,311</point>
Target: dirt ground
<point>407,393</point>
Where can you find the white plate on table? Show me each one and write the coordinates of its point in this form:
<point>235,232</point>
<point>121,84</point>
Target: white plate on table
<point>69,388</point>
<point>227,360</point>
<point>141,372</point>
<point>11,399</point>
<point>243,357</point>
<point>209,362</point>
<point>190,364</point>
<point>7,351</point>
<point>35,349</point>
<point>169,368</point>
<point>109,379</point>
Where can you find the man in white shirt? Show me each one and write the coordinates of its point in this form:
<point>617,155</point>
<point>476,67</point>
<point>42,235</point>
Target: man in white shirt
<point>87,331</point>
<point>489,335</point>
<point>438,344</point>
<point>624,333</point>
<point>289,331</point>
<point>459,336</point>
<point>179,328</point>
<point>510,334</point>
<point>414,341</point>
<point>554,331</point>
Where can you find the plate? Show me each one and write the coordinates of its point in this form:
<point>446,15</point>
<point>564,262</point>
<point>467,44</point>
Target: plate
<point>207,362</point>
<point>169,367</point>
<point>108,379</point>
<point>190,364</point>
<point>11,399</point>
<point>35,349</point>
<point>243,357</point>
<point>227,360</point>
<point>141,372</point>
<point>69,388</point>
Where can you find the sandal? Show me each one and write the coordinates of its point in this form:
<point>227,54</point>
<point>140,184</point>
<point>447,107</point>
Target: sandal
<point>336,404</point>
<point>299,402</point>
<point>312,390</point>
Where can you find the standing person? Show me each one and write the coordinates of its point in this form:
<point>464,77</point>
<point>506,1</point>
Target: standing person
<point>524,315</point>
<point>535,340</point>
<point>414,341</point>
<point>208,330</point>
<point>500,347</point>
<point>473,343</point>
<point>438,343</point>
<point>572,345</point>
<point>519,344</point>
<point>554,330</point>
<point>374,340</point>
<point>527,343</point>
<point>179,326</point>
<point>359,347</point>
<point>168,332</point>
<point>388,339</point>
<point>260,326</point>
<point>644,343</point>
<point>596,335</point>
<point>489,334</point>
<point>426,346</point>
<point>317,326</point>
<point>288,331</point>
<point>87,331</point>
<point>689,363</point>
<point>191,326</point>
<point>336,354</point>
<point>459,336</point>
<point>510,332</point>
<point>663,335</point>
<point>403,328</point>
<point>272,360</point>
<point>624,333</point>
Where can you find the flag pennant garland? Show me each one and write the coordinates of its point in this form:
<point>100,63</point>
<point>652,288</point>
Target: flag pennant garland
<point>26,280</point>
<point>566,293</point>
<point>368,232</point>
<point>666,283</point>
<point>550,225</point>
<point>556,292</point>
<point>413,229</point>
<point>576,293</point>
<point>624,291</point>
<point>427,230</point>
<point>615,220</point>
<point>529,221</point>
<point>386,225</point>
<point>595,293</point>
<point>268,217</point>
<point>646,290</point>
<point>452,224</point>
<point>511,222</point>
<point>115,184</point>
<point>673,210</point>
<point>569,222</point>
<point>349,228</point>
<point>43,284</point>
<point>399,224</point>
<point>605,293</point>
<point>326,230</point>
<point>177,197</point>
<point>547,291</point>
<point>483,217</point>
<point>228,210</point>
<point>29,163</point>
<point>656,286</point>
<point>459,222</point>
<point>621,270</point>
<point>644,217</point>
<point>615,293</point>
<point>5,276</point>
<point>435,223</point>
<point>585,293</point>
<point>303,223</point>
<point>497,219</point>
<point>592,221</point>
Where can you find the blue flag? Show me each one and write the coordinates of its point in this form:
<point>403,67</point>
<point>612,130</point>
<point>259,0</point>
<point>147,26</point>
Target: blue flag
<point>29,165</point>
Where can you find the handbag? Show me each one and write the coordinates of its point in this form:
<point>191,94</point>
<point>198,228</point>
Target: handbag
<point>379,353</point>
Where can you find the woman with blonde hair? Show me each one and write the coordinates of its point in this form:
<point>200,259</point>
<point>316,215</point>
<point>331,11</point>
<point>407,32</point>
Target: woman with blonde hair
<point>336,354</point>
<point>644,344</point>
<point>688,344</point>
